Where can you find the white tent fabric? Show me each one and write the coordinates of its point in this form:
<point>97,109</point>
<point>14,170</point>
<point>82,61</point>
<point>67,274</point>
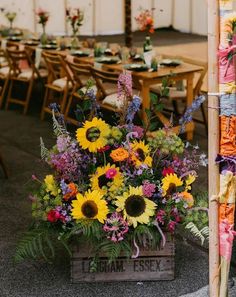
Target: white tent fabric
<point>107,17</point>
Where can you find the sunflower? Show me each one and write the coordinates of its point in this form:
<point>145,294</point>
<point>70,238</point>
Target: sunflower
<point>169,184</point>
<point>103,182</point>
<point>140,154</point>
<point>136,208</point>
<point>93,135</point>
<point>189,180</point>
<point>91,206</point>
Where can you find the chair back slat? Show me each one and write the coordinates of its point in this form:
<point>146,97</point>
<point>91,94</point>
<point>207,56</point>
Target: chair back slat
<point>15,56</point>
<point>79,71</point>
<point>57,67</point>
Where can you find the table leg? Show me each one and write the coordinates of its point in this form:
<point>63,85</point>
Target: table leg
<point>190,101</point>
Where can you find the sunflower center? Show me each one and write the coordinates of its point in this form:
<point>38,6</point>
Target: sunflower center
<point>103,181</point>
<point>92,134</point>
<point>140,153</point>
<point>89,209</point>
<point>135,205</point>
<point>172,189</point>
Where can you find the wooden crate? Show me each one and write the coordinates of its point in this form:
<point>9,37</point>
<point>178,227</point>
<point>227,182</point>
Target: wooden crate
<point>151,265</point>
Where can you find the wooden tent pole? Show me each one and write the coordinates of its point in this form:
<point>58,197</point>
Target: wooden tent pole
<point>213,144</point>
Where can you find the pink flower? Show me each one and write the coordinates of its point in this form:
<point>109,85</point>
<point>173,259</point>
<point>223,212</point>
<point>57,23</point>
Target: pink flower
<point>139,130</point>
<point>111,173</point>
<point>161,216</point>
<point>171,226</point>
<point>104,149</point>
<point>53,216</point>
<point>148,189</point>
<point>167,171</point>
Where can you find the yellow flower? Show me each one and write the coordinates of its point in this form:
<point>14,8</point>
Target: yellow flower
<point>140,154</point>
<point>119,155</point>
<point>169,184</point>
<point>93,135</point>
<point>136,208</point>
<point>51,185</point>
<point>189,180</point>
<point>91,206</point>
<point>188,198</point>
<point>116,133</point>
<point>100,182</point>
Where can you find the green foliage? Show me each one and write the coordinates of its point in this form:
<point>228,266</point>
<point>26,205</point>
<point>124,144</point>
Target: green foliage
<point>57,128</point>
<point>39,243</point>
<point>114,249</point>
<point>44,150</point>
<point>202,234</point>
<point>196,221</point>
<point>91,229</point>
<point>167,142</point>
<point>144,234</point>
<point>35,244</point>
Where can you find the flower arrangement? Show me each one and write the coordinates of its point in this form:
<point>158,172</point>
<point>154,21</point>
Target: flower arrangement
<point>43,16</point>
<point>145,21</point>
<point>115,186</point>
<point>10,17</point>
<point>75,17</point>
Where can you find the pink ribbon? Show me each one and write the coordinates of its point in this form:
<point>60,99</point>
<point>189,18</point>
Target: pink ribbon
<point>137,250</point>
<point>227,71</point>
<point>226,239</point>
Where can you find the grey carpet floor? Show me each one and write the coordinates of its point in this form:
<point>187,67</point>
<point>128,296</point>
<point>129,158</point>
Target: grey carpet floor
<point>19,144</point>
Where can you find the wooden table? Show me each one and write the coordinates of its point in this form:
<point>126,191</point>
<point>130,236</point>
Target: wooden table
<point>184,71</point>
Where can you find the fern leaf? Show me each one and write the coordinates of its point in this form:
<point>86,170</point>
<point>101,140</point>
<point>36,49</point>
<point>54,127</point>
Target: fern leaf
<point>34,244</point>
<point>196,232</point>
<point>44,150</point>
<point>57,128</point>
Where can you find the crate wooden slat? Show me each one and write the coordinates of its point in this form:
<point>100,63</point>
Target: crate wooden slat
<point>149,266</point>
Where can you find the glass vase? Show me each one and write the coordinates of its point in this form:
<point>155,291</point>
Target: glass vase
<point>74,42</point>
<point>44,38</point>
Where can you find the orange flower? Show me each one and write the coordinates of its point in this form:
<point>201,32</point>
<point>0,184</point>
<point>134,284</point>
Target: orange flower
<point>119,154</point>
<point>188,198</point>
<point>72,191</point>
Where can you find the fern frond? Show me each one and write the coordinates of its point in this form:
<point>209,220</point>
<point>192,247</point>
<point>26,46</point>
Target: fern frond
<point>44,150</point>
<point>35,244</point>
<point>57,128</point>
<point>202,234</point>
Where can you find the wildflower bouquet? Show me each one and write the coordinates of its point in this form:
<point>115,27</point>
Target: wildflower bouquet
<point>118,187</point>
<point>145,21</point>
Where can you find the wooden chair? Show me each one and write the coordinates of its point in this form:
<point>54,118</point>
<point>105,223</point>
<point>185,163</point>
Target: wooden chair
<point>22,76</point>
<point>60,82</point>
<point>106,96</point>
<point>81,73</point>
<point>106,83</point>
<point>4,75</point>
<point>176,95</point>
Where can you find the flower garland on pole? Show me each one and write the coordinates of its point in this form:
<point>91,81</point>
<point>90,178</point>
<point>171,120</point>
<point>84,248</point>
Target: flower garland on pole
<point>222,142</point>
